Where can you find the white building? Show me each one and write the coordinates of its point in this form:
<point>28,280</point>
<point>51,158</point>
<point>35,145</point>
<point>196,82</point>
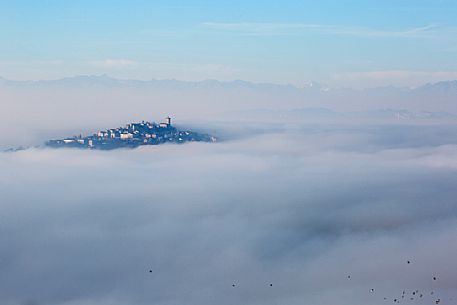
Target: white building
<point>166,124</point>
<point>126,135</point>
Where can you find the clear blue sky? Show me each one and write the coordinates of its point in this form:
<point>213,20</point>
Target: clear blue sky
<point>336,42</point>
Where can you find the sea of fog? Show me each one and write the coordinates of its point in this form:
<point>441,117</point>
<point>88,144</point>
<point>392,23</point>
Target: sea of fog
<point>295,214</point>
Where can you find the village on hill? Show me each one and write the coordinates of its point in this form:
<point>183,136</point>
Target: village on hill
<point>133,135</point>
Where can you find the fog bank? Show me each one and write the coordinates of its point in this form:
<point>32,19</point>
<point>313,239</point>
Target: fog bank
<point>299,208</point>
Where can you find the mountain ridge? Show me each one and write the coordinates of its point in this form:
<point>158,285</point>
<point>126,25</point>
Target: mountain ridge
<point>105,79</point>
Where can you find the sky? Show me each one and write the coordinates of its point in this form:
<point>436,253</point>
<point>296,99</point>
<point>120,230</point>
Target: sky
<point>340,43</point>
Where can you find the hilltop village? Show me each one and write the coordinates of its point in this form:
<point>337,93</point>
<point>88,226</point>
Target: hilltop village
<point>133,135</point>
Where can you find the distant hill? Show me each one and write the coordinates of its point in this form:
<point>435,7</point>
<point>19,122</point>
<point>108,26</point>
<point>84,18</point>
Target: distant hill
<point>320,114</point>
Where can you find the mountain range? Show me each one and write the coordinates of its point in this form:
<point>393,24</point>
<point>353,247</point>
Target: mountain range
<point>240,94</point>
<point>449,86</point>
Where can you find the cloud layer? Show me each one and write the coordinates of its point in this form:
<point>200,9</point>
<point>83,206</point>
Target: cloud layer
<point>299,208</point>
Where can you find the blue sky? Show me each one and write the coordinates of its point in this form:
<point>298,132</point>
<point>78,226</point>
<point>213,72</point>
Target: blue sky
<point>354,43</point>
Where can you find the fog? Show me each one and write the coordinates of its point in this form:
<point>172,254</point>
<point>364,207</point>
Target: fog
<point>284,212</point>
<point>33,112</point>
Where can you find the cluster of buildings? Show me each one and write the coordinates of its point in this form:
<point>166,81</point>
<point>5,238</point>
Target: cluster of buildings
<point>133,135</point>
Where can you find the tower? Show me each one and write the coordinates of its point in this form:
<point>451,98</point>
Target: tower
<point>168,120</point>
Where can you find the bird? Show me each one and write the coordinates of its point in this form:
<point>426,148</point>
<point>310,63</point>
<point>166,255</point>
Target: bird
<point>150,271</point>
<point>434,278</point>
<point>409,262</point>
<point>233,285</point>
<point>372,290</point>
<point>271,285</point>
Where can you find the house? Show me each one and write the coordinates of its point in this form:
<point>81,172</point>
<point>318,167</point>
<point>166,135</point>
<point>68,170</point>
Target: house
<point>126,136</point>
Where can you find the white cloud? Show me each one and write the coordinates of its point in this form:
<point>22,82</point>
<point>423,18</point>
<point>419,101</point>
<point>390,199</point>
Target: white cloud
<point>256,28</point>
<point>114,63</point>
